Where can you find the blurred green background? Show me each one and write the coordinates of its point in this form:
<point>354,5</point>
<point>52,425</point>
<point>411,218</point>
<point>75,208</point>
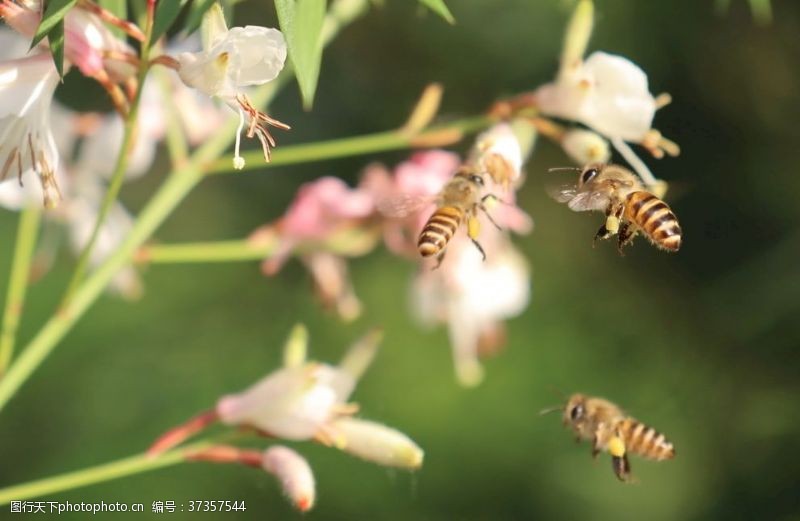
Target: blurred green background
<point>701,345</point>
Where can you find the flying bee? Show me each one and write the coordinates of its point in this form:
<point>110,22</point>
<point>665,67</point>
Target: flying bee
<point>611,430</point>
<point>628,206</point>
<point>458,202</point>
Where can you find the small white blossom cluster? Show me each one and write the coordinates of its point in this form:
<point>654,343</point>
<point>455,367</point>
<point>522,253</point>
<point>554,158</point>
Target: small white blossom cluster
<point>303,400</point>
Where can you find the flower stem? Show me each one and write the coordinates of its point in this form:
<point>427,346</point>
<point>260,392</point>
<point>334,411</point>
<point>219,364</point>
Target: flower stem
<point>98,474</point>
<point>358,145</point>
<point>160,206</point>
<point>222,251</point>
<point>176,140</point>
<point>121,167</point>
<point>27,232</point>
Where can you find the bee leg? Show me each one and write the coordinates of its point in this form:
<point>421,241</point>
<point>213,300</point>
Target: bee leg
<point>622,468</point>
<point>595,447</point>
<point>624,237</point>
<point>480,248</point>
<point>439,259</point>
<point>602,233</point>
<point>473,230</point>
<point>619,459</point>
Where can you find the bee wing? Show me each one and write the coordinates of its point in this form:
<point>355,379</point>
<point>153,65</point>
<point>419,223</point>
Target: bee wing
<point>563,193</point>
<point>586,201</point>
<point>400,206</point>
<point>579,200</point>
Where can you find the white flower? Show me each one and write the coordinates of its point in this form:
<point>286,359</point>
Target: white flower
<point>473,297</point>
<point>606,93</point>
<point>294,474</point>
<point>27,144</point>
<point>298,401</point>
<point>377,443</point>
<point>230,61</point>
<point>585,146</point>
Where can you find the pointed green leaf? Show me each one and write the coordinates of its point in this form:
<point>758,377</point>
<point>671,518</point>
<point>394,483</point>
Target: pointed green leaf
<point>167,12</point>
<point>54,13</point>
<point>301,23</point>
<point>439,7</point>
<point>55,38</point>
<point>118,8</point>
<point>196,12</point>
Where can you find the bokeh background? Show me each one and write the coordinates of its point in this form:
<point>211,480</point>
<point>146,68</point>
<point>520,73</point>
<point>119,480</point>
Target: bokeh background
<point>702,344</point>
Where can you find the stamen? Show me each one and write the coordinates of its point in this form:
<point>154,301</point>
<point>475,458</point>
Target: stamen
<point>7,164</point>
<point>256,128</point>
<point>48,179</point>
<point>662,100</point>
<point>19,168</point>
<point>238,160</point>
<point>33,155</point>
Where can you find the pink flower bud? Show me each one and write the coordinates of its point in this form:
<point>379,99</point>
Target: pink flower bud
<point>294,474</point>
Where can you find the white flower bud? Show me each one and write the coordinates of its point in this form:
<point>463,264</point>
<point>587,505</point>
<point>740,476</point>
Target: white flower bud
<point>294,474</point>
<point>585,146</point>
<point>294,351</point>
<point>579,30</point>
<point>377,443</point>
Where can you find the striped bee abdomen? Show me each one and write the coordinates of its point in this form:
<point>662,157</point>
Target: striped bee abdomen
<point>655,218</point>
<point>644,441</point>
<point>439,229</point>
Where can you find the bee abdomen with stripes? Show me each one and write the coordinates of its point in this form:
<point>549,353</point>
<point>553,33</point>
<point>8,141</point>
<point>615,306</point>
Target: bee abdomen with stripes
<point>645,441</point>
<point>655,218</point>
<point>439,229</point>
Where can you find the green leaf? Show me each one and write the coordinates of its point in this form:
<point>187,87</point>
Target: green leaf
<point>439,7</point>
<point>167,12</point>
<point>196,12</point>
<point>56,40</point>
<point>301,23</point>
<point>53,14</point>
<point>120,9</point>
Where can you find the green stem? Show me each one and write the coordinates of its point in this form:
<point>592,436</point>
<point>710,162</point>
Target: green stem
<point>223,251</point>
<point>120,169</point>
<point>175,138</point>
<point>27,232</point>
<point>98,474</point>
<point>358,145</point>
<point>166,199</point>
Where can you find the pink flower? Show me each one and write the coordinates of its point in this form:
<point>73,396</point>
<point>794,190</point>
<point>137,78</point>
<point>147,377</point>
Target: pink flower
<point>408,196</point>
<point>326,221</point>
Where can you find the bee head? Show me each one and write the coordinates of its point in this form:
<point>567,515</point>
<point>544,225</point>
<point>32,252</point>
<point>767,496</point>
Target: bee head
<point>575,410</point>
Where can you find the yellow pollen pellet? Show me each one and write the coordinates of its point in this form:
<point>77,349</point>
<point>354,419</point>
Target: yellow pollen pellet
<point>616,447</point>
